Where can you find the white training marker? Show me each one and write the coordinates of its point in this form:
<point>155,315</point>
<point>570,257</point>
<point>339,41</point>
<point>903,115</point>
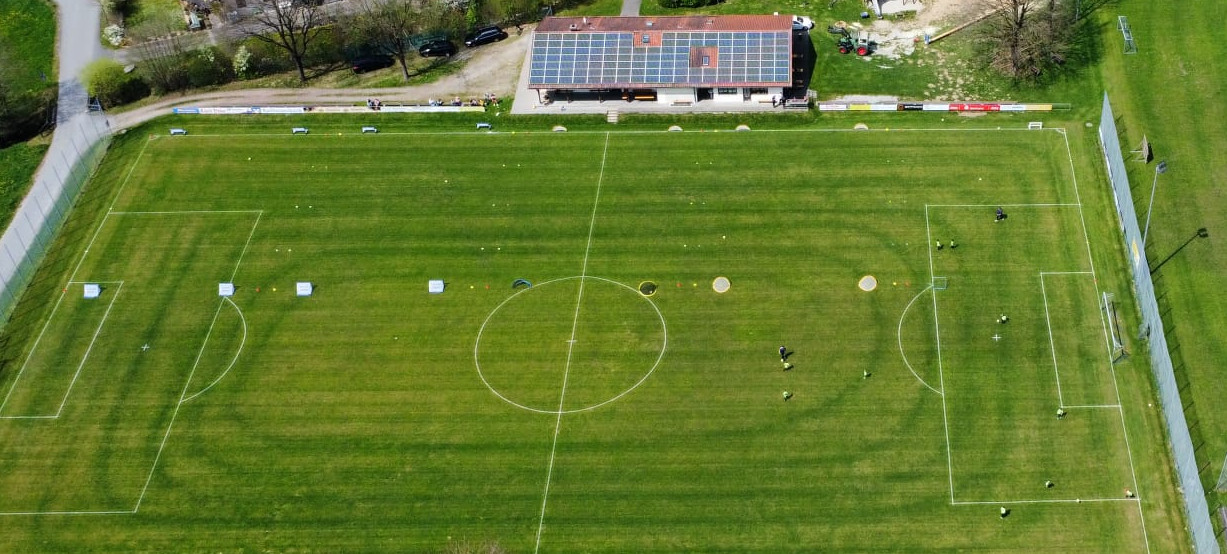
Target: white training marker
<point>92,290</point>
<point>435,286</point>
<point>304,288</point>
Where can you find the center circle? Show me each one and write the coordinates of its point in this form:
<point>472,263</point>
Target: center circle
<point>600,337</point>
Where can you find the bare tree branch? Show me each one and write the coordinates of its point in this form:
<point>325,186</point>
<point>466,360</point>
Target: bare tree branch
<point>388,25</point>
<point>160,49</point>
<point>291,25</point>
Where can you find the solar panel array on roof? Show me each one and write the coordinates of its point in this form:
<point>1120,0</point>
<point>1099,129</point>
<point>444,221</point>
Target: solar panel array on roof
<point>583,60</point>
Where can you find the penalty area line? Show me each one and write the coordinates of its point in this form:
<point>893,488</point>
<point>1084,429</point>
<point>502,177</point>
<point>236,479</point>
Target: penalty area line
<point>174,414</point>
<point>941,373</point>
<point>1045,501</point>
<point>899,340</point>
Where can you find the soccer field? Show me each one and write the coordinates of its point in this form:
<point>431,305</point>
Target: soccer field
<point>576,413</point>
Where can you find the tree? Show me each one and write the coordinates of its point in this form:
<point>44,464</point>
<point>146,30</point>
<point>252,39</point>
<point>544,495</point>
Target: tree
<point>106,80</point>
<point>387,25</point>
<point>161,51</point>
<point>1027,36</point>
<point>1009,28</point>
<point>24,111</point>
<point>290,25</point>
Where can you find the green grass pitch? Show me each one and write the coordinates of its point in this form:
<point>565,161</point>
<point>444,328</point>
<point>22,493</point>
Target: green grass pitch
<point>578,414</point>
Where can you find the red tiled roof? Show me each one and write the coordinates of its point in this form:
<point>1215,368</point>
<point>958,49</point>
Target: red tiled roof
<point>684,23</point>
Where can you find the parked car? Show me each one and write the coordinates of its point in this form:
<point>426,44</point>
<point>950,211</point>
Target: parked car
<point>437,48</point>
<point>484,35</point>
<point>802,23</point>
<point>371,63</point>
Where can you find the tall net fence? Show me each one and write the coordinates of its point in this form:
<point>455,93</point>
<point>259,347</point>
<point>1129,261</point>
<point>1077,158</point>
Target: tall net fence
<point>1200,525</point>
<point>77,147</point>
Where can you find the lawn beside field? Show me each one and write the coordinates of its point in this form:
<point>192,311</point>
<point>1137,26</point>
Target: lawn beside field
<point>17,166</point>
<point>27,42</point>
<point>366,416</point>
<point>1168,92</point>
<point>27,33</point>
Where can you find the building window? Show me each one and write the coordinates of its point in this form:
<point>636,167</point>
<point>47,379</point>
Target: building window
<point>646,39</point>
<point>706,61</point>
<point>726,91</point>
<point>758,91</point>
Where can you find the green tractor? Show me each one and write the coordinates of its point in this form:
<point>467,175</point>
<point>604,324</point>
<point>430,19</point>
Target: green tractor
<point>848,43</point>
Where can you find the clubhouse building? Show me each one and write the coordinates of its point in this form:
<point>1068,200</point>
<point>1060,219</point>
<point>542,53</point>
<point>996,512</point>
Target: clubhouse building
<point>674,61</point>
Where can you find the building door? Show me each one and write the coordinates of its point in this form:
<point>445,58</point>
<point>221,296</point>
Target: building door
<point>703,94</point>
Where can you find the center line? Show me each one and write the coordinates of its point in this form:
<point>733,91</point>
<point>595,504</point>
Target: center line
<point>545,496</point>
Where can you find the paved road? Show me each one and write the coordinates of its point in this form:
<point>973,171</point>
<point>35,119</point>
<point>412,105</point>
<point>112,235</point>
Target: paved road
<point>78,44</point>
<point>24,242</point>
<point>630,8</point>
<point>493,68</point>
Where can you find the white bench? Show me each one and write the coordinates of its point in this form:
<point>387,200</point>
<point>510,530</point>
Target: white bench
<point>299,130</point>
<point>483,125</point>
<point>178,131</point>
<point>369,129</point>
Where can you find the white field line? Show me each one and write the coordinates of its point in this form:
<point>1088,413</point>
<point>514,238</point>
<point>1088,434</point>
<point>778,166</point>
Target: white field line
<point>1094,406</point>
<point>522,132</point>
<point>941,374</point>
<point>545,496</point>
<point>178,405</point>
<point>899,339</point>
<point>1066,273</point>
<point>189,212</point>
<point>88,349</point>
<point>242,343</point>
<point>78,513</point>
<point>1108,344</point>
<point>1050,205</point>
<point>98,282</point>
<point>1052,347</point>
<point>1046,501</point>
<point>105,216</point>
<point>89,245</point>
<point>33,349</point>
<point>664,346</point>
<point>259,215</point>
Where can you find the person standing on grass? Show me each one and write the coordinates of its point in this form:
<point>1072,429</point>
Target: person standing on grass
<point>953,245</point>
<point>1060,413</point>
<point>1000,213</point>
<point>787,395</point>
<point>783,354</point>
<point>939,245</point>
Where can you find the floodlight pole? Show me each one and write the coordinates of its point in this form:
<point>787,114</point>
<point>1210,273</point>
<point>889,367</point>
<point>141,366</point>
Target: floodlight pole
<point>1201,233</point>
<point>1160,168</point>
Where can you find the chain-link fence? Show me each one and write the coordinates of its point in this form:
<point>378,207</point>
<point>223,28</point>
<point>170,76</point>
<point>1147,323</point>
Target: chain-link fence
<point>1200,526</point>
<point>76,149</point>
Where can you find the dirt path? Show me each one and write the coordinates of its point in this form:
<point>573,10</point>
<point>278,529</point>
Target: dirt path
<point>494,68</point>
